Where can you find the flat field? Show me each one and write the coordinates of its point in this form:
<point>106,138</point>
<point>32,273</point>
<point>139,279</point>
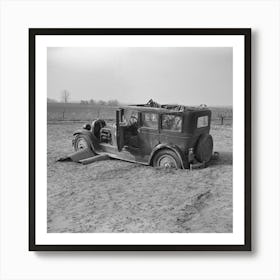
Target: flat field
<point>118,196</point>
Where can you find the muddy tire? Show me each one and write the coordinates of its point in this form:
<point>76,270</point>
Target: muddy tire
<point>204,148</point>
<point>81,142</point>
<point>166,159</point>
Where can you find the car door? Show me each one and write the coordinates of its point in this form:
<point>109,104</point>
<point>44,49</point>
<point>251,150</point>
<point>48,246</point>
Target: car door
<point>171,130</point>
<point>148,132</point>
<point>119,130</point>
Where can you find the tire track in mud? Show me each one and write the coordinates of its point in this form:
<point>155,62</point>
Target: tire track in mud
<point>204,205</point>
<point>193,211</point>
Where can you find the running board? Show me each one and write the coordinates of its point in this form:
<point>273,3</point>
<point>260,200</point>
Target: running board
<point>77,156</point>
<point>93,159</point>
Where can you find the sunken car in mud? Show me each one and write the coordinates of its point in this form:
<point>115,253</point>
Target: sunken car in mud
<point>171,136</point>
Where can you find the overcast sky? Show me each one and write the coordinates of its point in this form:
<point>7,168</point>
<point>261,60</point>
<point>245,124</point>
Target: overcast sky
<point>189,76</point>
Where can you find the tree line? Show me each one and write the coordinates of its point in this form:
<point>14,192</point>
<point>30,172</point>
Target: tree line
<point>88,102</point>
<point>100,102</point>
<point>65,98</point>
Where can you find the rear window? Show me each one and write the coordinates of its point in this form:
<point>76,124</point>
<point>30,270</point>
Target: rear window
<point>150,120</point>
<point>171,122</point>
<point>202,121</point>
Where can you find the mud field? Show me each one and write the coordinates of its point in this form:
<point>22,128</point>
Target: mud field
<point>117,196</point>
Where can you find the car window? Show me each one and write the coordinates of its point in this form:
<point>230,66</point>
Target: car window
<point>171,122</point>
<point>130,117</point>
<point>202,121</point>
<point>150,120</point>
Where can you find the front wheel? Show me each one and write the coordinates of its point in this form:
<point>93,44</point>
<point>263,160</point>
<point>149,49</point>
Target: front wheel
<point>81,142</point>
<point>166,159</point>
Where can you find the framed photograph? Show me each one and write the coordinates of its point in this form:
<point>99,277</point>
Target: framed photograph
<point>140,139</point>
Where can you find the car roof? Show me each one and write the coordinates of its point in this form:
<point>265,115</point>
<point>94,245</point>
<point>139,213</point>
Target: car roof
<point>168,109</point>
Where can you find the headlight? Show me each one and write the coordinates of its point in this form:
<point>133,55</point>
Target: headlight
<point>87,126</point>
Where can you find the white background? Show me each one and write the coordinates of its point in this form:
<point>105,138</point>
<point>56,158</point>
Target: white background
<point>17,263</point>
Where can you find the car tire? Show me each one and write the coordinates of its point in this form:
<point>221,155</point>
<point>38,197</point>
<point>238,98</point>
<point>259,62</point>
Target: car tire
<point>166,159</point>
<point>81,142</point>
<point>204,148</point>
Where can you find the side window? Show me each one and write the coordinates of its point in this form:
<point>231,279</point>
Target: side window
<point>150,120</point>
<point>130,117</point>
<point>171,122</point>
<point>202,121</point>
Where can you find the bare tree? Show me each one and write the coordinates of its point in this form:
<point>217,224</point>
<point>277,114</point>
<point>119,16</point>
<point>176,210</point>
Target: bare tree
<point>65,96</point>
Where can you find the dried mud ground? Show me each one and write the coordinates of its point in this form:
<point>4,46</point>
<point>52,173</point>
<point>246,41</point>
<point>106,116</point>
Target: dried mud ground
<point>117,196</point>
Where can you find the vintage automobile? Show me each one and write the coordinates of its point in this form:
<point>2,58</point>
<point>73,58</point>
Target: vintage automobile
<point>172,136</point>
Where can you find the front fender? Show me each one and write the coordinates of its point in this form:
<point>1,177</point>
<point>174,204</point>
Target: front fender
<point>93,139</point>
<point>82,131</point>
<point>174,148</point>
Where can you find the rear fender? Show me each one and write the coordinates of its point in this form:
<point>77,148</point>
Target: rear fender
<point>92,138</point>
<point>175,149</point>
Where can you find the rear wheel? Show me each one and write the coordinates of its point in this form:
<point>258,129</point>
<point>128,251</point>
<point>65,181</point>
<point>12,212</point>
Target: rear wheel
<point>81,142</point>
<point>166,159</point>
<point>204,148</point>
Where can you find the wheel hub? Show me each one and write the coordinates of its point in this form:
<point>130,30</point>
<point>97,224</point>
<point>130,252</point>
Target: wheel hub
<point>82,144</point>
<point>167,162</point>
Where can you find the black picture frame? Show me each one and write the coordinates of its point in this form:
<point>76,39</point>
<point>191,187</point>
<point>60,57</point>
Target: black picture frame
<point>246,32</point>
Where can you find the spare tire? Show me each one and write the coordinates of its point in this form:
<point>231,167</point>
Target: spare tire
<point>96,127</point>
<point>204,148</point>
